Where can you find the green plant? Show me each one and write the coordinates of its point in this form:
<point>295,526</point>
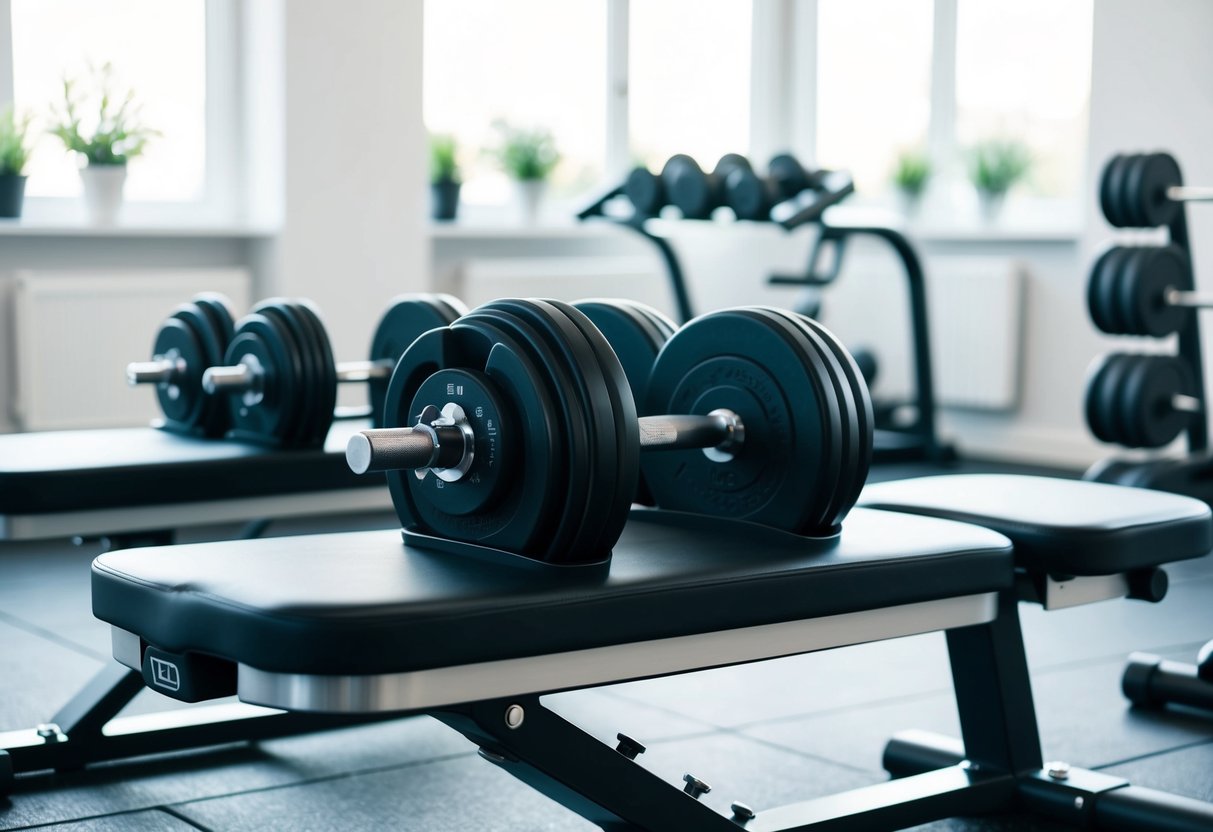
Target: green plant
<point>996,165</point>
<point>526,154</point>
<point>444,167</point>
<point>911,172</point>
<point>116,137</point>
<point>14,143</point>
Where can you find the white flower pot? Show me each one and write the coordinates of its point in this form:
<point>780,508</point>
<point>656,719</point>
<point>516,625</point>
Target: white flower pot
<point>529,194</point>
<point>103,186</point>
<point>991,203</point>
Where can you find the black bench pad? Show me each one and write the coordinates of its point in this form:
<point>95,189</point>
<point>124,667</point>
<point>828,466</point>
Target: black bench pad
<point>80,470</point>
<point>1062,527</point>
<point>363,603</point>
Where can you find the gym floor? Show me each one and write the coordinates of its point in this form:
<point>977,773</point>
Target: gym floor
<point>765,734</point>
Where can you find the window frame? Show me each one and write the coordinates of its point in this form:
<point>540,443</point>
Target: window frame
<point>224,161</point>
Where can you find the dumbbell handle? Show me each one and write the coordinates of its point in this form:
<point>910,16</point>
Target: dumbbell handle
<point>1189,300</point>
<point>1188,193</point>
<point>445,446</point>
<point>241,377</point>
<point>1185,404</point>
<point>156,371</point>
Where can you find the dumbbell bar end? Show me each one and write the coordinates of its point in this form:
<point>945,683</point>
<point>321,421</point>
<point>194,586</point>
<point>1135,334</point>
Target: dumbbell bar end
<point>393,449</point>
<point>1187,193</point>
<point>158,371</point>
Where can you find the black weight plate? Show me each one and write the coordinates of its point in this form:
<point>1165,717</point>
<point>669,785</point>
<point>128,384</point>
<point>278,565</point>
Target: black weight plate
<point>1097,415</point>
<point>606,498</point>
<point>635,340</point>
<point>789,176</point>
<point>727,163</point>
<point>847,442</point>
<point>687,187</point>
<point>1159,171</point>
<point>1148,389</point>
<point>183,403</point>
<point>1098,291</point>
<point>326,382</point>
<point>1110,180</point>
<point>306,368</point>
<point>736,360</point>
<point>1112,189</point>
<point>219,307</point>
<point>1134,195</point>
<point>1123,281</point>
<point>211,417</point>
<point>664,325</point>
<point>750,196</point>
<point>269,418</point>
<point>644,189</point>
<point>1161,270</point>
<point>865,416</point>
<point>624,457</point>
<point>530,442</point>
<point>573,428</point>
<point>1111,399</point>
<point>406,318</point>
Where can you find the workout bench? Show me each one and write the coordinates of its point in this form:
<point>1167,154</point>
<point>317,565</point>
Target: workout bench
<point>358,624</point>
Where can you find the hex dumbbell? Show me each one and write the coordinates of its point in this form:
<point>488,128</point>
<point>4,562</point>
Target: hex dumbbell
<point>752,196</point>
<point>693,191</point>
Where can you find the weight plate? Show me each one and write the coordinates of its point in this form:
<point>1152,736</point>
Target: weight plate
<point>183,402</point>
<point>1159,271</point>
<point>1124,279</point>
<point>624,457</point>
<point>606,498</point>
<point>406,318</point>
<point>1149,388</point>
<point>306,374</point>
<point>645,191</point>
<point>635,340</point>
<point>750,196</point>
<point>529,448</point>
<point>789,176</point>
<point>736,360</point>
<point>1134,196</point>
<point>864,414</point>
<point>326,389</point>
<point>1148,181</point>
<point>1115,184</point>
<point>210,418</point>
<point>1096,412</point>
<point>267,416</point>
<point>1111,400</point>
<point>1109,192</point>
<point>219,307</point>
<point>665,326</point>
<point>848,444</point>
<point>572,429</point>
<point>727,163</point>
<point>687,187</point>
<point>1100,296</point>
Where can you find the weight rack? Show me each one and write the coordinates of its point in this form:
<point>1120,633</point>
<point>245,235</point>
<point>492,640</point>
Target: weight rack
<point>917,440</point>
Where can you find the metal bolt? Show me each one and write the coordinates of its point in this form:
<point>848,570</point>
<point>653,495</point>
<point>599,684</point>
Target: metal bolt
<point>629,747</point>
<point>514,715</point>
<point>742,812</point>
<point>1079,803</point>
<point>1058,770</point>
<point>694,786</point>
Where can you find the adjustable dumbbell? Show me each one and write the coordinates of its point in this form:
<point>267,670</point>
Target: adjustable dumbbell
<point>1145,190</point>
<point>279,377</point>
<point>194,337</point>
<point>1140,401</point>
<point>752,196</point>
<point>1143,290</point>
<point>515,428</point>
<point>696,193</point>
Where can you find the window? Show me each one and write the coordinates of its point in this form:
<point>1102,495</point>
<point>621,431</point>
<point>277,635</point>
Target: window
<point>178,59</point>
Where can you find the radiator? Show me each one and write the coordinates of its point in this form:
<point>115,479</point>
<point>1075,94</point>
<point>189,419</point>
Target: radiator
<point>976,309</point>
<point>75,332</point>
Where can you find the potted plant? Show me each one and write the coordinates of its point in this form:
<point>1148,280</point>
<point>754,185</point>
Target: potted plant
<point>14,153</point>
<point>995,166</point>
<point>106,144</point>
<point>528,155</point>
<point>910,176</point>
<point>444,177</point>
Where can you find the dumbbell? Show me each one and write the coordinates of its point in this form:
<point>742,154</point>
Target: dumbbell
<point>752,196</point>
<point>279,377</point>
<point>1140,401</point>
<point>1145,190</point>
<point>644,189</point>
<point>696,193</point>
<point>195,336</point>
<point>1143,290</point>
<point>515,428</point>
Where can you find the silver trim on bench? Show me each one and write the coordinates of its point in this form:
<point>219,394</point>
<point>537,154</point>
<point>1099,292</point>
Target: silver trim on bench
<point>127,648</point>
<point>1088,589</point>
<point>424,689</point>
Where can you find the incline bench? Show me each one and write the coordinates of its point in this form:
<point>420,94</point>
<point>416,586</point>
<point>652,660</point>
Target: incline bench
<point>138,487</point>
<point>358,623</point>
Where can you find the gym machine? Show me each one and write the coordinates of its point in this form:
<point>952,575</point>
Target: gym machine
<point>790,196</point>
<point>1147,401</point>
<point>474,629</point>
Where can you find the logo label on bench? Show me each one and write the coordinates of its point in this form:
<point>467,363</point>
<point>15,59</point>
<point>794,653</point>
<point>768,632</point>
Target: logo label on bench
<point>165,674</point>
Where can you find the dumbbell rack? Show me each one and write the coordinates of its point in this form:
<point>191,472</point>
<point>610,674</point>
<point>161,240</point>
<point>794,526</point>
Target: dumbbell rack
<point>1193,474</point>
<point>917,440</point>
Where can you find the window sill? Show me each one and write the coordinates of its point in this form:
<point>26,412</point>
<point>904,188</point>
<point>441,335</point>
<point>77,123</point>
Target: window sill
<point>26,227</point>
<point>459,230</point>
